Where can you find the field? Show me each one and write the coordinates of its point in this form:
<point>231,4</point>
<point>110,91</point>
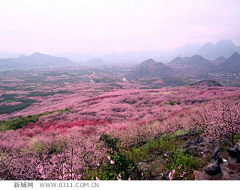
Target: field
<point>93,123</point>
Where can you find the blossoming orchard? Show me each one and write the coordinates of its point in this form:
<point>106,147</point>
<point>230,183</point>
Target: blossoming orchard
<point>95,131</point>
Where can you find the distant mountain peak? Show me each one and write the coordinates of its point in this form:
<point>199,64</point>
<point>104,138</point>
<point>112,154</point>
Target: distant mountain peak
<point>197,57</point>
<point>177,59</point>
<point>22,56</point>
<point>151,69</point>
<point>220,59</point>
<point>223,48</point>
<point>225,41</point>
<point>37,60</point>
<point>95,61</point>
<point>148,61</point>
<point>234,57</point>
<point>37,54</point>
<point>193,61</point>
<point>208,44</point>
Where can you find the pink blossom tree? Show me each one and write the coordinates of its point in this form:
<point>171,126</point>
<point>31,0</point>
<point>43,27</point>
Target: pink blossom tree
<point>219,119</point>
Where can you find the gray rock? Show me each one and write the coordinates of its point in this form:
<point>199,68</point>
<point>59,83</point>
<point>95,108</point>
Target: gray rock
<point>215,153</point>
<point>233,155</point>
<point>197,140</point>
<point>213,168</point>
<point>193,132</point>
<point>238,150</point>
<point>201,144</point>
<point>209,141</point>
<point>200,149</point>
<point>216,156</point>
<point>193,147</point>
<point>186,144</point>
<point>206,151</point>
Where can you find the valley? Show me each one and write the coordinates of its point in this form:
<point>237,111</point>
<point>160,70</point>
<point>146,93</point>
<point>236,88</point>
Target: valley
<point>140,121</point>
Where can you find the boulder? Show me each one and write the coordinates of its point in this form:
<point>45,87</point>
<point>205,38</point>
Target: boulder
<point>193,132</point>
<point>198,140</point>
<point>213,168</point>
<point>216,156</point>
<point>233,155</point>
<point>215,153</point>
<point>186,144</point>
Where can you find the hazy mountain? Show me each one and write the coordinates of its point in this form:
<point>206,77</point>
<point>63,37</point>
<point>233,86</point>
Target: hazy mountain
<point>95,61</point>
<point>220,59</point>
<point>131,56</point>
<point>205,49</point>
<point>195,60</point>
<point>192,66</point>
<point>9,55</point>
<point>187,50</point>
<point>235,57</point>
<point>36,60</point>
<point>197,65</point>
<point>209,51</point>
<point>77,57</point>
<point>223,48</point>
<point>161,56</point>
<point>151,69</point>
<point>231,65</point>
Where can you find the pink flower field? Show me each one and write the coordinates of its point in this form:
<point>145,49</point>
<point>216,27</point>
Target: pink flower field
<point>89,134</point>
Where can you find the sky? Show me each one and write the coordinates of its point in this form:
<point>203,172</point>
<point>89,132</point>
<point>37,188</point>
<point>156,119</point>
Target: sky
<point>104,26</point>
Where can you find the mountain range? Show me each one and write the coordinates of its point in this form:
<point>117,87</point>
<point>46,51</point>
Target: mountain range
<point>151,69</point>
<point>77,57</point>
<point>210,51</point>
<point>224,48</point>
<point>214,53</point>
<point>5,55</point>
<point>95,61</point>
<point>186,67</point>
<point>195,60</point>
<point>34,61</point>
<point>231,65</point>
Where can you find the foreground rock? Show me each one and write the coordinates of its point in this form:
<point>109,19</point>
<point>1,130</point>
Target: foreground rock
<point>213,168</point>
<point>234,155</point>
<point>229,172</point>
<point>217,169</point>
<point>201,146</point>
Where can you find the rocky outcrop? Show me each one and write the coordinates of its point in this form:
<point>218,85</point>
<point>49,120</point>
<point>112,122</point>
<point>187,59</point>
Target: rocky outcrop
<point>234,155</point>
<point>221,169</point>
<point>213,168</point>
<point>216,156</point>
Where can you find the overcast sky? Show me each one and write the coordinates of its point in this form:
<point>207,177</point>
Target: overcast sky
<point>103,26</point>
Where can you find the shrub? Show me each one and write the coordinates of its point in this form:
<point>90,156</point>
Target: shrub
<point>118,164</point>
<point>186,162</point>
